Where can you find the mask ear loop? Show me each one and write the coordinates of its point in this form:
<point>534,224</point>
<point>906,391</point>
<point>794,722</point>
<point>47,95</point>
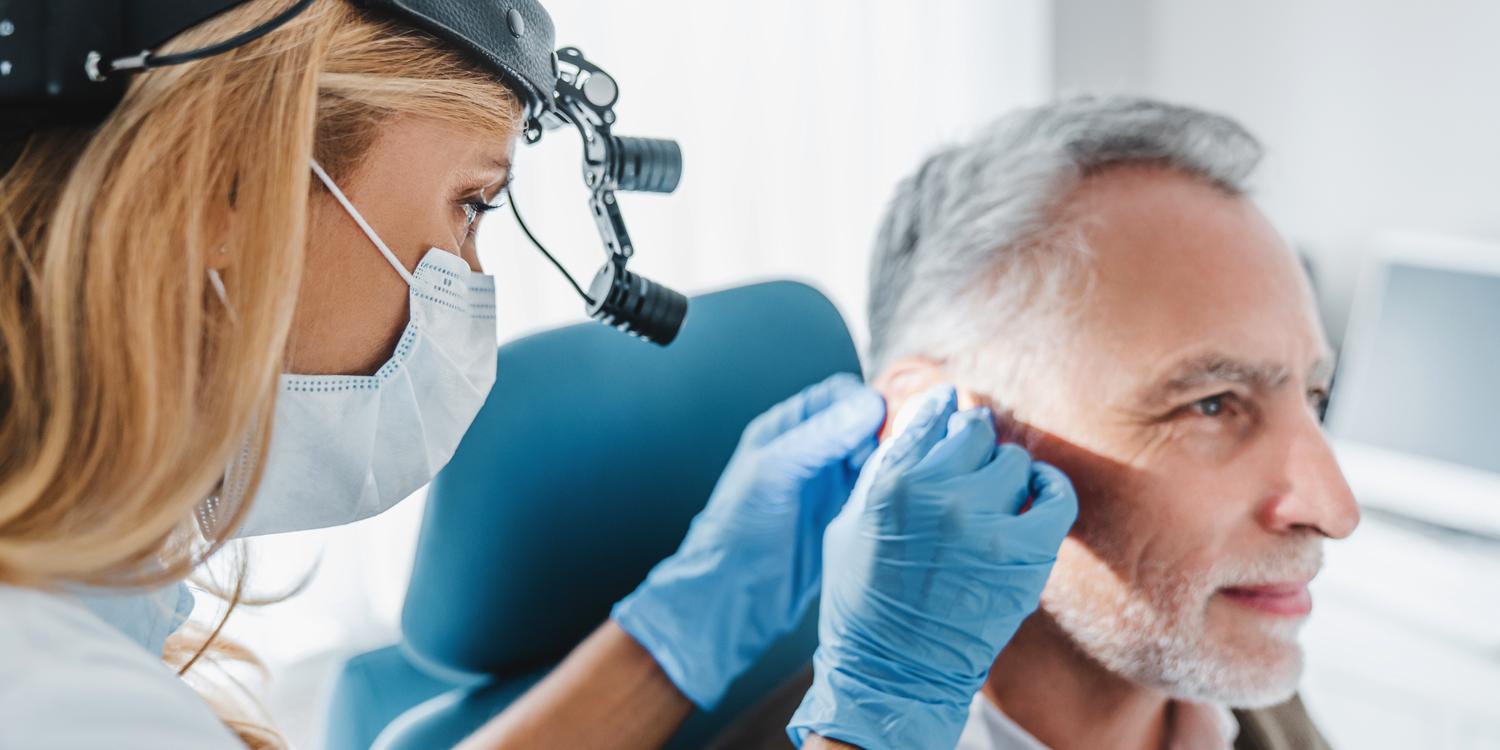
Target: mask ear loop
<point>343,200</point>
<point>212,511</point>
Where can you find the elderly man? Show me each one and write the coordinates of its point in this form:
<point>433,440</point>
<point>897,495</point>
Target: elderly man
<point>1094,270</point>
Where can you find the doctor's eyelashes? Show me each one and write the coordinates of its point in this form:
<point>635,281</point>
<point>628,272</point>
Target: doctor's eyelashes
<point>476,207</point>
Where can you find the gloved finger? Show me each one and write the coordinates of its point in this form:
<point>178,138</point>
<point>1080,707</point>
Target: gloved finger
<point>998,489</point>
<point>1038,532</point>
<point>968,446</point>
<point>1054,501</point>
<point>797,409</point>
<point>863,453</point>
<point>837,432</point>
<point>921,424</point>
<point>1034,536</point>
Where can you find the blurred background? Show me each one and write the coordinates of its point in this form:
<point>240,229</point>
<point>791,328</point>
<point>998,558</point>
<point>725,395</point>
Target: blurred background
<point>797,118</point>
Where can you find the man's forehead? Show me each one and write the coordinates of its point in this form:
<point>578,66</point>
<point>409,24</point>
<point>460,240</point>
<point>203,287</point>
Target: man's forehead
<point>1166,238</point>
<point>1180,265</point>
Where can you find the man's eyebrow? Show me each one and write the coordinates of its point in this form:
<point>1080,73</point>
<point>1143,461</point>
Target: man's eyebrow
<point>1322,370</point>
<point>1196,372</point>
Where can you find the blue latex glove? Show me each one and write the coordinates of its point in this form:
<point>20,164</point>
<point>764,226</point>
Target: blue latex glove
<point>750,564</point>
<point>930,569</point>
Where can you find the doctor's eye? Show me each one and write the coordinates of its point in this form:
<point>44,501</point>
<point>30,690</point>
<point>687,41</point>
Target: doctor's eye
<point>476,207</point>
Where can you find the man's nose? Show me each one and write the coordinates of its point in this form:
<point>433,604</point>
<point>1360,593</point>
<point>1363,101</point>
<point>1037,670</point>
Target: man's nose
<point>1309,492</point>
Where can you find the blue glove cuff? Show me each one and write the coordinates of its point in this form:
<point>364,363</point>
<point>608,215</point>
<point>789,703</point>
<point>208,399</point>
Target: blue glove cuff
<point>703,637</point>
<point>660,643</point>
<point>842,707</point>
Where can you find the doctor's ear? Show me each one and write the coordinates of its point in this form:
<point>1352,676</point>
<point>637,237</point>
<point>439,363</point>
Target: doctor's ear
<point>217,252</point>
<point>908,378</point>
<point>217,256</point>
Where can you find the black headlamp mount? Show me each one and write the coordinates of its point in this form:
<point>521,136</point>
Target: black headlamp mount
<point>585,98</point>
<point>63,63</point>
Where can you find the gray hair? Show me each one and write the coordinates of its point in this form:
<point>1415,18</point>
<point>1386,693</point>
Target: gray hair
<point>972,242</point>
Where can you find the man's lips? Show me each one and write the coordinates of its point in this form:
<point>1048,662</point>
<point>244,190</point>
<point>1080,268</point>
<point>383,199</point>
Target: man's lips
<point>1287,599</point>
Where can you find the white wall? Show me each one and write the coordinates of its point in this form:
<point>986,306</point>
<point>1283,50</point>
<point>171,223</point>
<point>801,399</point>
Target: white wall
<point>1378,114</point>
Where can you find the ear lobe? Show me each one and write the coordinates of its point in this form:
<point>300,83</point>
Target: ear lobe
<point>908,378</point>
<point>216,253</point>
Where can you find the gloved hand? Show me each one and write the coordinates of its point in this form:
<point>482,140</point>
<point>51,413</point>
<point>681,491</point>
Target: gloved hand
<point>750,564</point>
<point>929,570</point>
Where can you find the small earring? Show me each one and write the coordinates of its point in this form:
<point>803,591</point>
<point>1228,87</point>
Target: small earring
<point>217,282</point>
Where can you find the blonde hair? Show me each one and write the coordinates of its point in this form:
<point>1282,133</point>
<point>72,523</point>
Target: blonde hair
<point>125,387</point>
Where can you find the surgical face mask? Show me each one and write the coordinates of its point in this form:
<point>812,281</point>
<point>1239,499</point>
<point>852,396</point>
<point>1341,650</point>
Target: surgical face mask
<point>346,447</point>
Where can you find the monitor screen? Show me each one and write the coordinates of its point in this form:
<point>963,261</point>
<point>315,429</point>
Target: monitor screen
<point>1423,372</point>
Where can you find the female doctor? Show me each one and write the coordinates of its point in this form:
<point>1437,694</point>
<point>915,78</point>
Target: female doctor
<point>264,260</point>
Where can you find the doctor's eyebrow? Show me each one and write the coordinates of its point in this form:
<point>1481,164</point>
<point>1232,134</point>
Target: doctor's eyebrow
<point>483,168</point>
<point>501,186</point>
<point>488,190</point>
<point>1198,372</point>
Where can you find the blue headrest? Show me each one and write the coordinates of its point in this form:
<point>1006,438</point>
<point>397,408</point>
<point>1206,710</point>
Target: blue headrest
<point>586,464</point>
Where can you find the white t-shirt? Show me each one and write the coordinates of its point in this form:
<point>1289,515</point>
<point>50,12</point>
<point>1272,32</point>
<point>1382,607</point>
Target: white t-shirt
<point>1195,726</point>
<point>71,681</point>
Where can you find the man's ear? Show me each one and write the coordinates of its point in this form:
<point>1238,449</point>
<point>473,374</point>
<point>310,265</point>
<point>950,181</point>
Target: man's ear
<point>908,378</point>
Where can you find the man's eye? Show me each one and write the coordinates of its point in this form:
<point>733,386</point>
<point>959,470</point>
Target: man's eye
<point>1318,397</point>
<point>1214,406</point>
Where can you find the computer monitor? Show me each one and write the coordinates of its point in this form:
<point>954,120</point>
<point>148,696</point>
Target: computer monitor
<point>1415,412</point>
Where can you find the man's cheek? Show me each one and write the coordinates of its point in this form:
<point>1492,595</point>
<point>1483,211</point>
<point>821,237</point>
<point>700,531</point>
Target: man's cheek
<point>1083,574</point>
<point>1102,487</point>
<point>1122,519</point>
<point>1204,509</point>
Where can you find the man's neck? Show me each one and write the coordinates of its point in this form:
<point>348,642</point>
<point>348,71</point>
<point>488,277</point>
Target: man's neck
<point>1067,700</point>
